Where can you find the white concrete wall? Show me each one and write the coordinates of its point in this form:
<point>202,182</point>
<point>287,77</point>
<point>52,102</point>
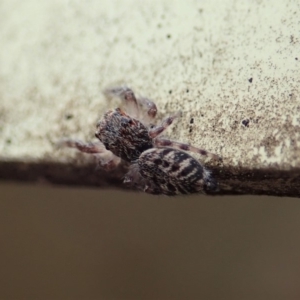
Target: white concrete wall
<point>220,62</point>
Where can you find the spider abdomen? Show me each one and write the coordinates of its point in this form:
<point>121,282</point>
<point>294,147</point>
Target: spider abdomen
<point>174,172</point>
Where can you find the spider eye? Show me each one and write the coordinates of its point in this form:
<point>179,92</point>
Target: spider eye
<point>151,126</point>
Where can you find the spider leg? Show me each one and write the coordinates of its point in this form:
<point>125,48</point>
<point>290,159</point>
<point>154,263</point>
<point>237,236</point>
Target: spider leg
<point>107,160</point>
<point>152,188</point>
<point>154,132</point>
<point>127,96</point>
<point>105,157</point>
<point>147,111</point>
<point>181,146</point>
<point>92,148</point>
<point>134,179</point>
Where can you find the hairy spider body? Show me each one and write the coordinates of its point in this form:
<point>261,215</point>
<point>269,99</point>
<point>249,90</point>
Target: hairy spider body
<point>157,165</point>
<point>171,172</point>
<point>116,125</point>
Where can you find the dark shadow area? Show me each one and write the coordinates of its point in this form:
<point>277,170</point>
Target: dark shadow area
<point>231,180</point>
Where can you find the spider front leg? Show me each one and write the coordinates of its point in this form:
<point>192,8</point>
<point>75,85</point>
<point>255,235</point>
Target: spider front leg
<point>149,106</point>
<point>142,108</point>
<point>181,146</point>
<point>154,132</point>
<point>106,158</point>
<point>148,110</point>
<point>127,96</point>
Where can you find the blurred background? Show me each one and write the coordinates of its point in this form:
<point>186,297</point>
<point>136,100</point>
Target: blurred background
<point>63,243</point>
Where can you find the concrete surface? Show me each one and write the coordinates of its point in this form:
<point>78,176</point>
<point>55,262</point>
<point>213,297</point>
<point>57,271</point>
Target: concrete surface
<point>232,67</point>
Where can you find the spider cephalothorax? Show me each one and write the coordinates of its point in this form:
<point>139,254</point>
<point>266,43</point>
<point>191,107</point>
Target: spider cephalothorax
<point>157,165</point>
<point>116,125</point>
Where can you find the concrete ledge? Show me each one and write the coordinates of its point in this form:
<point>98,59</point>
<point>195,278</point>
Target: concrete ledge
<point>243,181</point>
<point>231,68</point>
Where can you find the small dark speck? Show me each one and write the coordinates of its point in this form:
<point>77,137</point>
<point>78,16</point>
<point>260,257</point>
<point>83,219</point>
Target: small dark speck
<point>191,120</point>
<point>191,129</point>
<point>296,58</point>
<point>187,90</point>
<point>168,36</point>
<point>202,115</point>
<point>68,116</point>
<point>245,122</point>
<point>250,80</point>
<point>290,95</point>
<point>170,91</point>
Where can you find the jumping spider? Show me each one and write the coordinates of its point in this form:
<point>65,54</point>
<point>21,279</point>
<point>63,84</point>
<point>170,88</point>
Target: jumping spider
<point>157,165</point>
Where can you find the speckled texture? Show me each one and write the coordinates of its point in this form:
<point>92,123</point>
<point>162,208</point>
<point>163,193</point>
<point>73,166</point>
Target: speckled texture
<point>232,68</point>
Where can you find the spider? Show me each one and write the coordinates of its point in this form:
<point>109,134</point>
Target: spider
<point>156,165</point>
